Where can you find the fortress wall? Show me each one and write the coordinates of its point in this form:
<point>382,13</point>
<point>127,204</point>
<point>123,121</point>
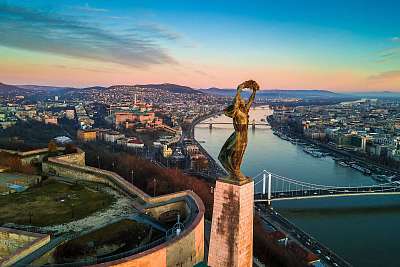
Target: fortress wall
<point>77,158</point>
<point>157,211</point>
<point>64,170</point>
<point>18,244</point>
<point>187,249</point>
<point>28,156</point>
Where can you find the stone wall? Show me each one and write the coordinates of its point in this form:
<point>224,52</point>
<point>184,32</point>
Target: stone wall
<point>31,156</point>
<point>58,167</point>
<point>187,249</point>
<point>157,211</point>
<point>77,158</point>
<point>16,244</point>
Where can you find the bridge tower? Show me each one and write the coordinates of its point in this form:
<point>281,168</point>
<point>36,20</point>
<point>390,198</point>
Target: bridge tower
<point>254,124</point>
<point>269,186</point>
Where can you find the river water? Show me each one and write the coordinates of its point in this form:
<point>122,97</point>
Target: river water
<point>362,229</point>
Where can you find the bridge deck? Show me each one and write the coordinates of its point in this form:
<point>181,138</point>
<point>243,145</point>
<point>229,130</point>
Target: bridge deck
<point>332,192</point>
<point>227,123</point>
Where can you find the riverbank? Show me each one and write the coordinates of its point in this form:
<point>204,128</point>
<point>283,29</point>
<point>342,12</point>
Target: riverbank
<point>342,224</point>
<point>268,242</point>
<point>215,170</point>
<point>344,158</point>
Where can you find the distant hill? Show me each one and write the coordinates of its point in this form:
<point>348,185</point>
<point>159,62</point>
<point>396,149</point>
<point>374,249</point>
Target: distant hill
<point>277,93</point>
<point>174,88</point>
<point>95,88</point>
<point>6,89</point>
<point>377,94</point>
<point>45,88</point>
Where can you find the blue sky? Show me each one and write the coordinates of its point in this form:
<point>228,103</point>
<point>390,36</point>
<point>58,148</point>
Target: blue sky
<point>337,45</point>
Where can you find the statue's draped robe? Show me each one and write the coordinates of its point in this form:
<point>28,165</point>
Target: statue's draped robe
<point>232,152</point>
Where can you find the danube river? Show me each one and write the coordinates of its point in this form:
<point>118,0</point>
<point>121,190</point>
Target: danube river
<point>363,230</point>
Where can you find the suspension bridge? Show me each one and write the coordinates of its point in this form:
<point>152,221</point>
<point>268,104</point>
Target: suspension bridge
<point>252,123</point>
<point>272,187</point>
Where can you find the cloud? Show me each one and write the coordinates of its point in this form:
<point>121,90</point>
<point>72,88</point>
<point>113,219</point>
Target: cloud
<point>153,31</point>
<point>95,70</point>
<point>387,55</point>
<point>52,33</point>
<point>88,8</point>
<point>394,74</point>
<point>395,39</point>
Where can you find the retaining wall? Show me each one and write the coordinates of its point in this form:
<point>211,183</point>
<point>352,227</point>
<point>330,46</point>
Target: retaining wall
<point>19,244</point>
<point>187,249</point>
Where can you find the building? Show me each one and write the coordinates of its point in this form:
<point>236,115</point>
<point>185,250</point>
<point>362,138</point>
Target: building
<point>198,162</point>
<point>135,143</point>
<point>167,151</point>
<point>62,140</point>
<point>70,114</point>
<point>51,120</point>
<point>112,136</point>
<point>122,117</point>
<point>87,135</point>
<point>144,117</point>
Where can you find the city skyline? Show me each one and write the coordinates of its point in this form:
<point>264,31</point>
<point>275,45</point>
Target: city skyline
<point>340,47</point>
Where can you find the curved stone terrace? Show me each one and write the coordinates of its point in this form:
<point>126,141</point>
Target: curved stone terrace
<point>185,248</point>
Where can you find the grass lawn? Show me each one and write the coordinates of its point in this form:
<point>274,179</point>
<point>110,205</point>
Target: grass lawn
<point>52,203</point>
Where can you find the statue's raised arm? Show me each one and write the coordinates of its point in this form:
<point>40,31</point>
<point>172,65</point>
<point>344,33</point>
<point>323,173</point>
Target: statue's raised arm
<point>253,85</point>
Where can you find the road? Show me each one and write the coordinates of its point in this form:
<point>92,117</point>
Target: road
<point>214,170</point>
<point>297,235</point>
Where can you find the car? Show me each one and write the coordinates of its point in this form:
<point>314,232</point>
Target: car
<point>318,251</point>
<point>328,258</point>
<point>335,264</point>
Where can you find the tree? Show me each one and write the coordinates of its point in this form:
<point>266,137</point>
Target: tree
<point>52,146</point>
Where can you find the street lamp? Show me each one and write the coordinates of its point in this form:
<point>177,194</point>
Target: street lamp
<point>132,177</point>
<point>154,186</point>
<point>98,161</point>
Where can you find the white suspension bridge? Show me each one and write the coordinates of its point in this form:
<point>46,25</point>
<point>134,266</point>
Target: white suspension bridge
<point>276,187</point>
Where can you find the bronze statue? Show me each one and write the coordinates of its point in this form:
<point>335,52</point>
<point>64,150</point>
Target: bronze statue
<point>231,154</point>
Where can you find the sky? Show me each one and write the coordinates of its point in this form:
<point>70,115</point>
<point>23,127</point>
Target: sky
<point>340,45</point>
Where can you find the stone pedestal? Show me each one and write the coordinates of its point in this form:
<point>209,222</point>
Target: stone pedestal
<point>231,241</point>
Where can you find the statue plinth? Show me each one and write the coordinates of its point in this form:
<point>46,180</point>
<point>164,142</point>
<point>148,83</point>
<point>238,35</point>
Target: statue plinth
<point>231,241</point>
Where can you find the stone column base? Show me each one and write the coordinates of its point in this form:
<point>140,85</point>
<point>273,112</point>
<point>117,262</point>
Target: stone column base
<point>231,241</point>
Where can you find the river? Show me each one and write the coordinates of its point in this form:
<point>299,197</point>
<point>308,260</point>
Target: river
<point>362,229</point>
